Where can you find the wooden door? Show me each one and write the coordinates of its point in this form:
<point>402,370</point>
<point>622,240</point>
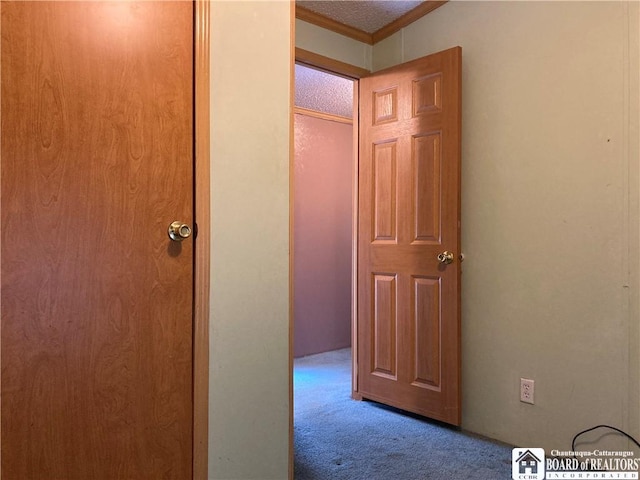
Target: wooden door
<point>96,162</point>
<point>409,213</point>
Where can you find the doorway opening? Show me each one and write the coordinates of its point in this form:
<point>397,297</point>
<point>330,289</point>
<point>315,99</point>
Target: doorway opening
<point>323,202</point>
<point>323,211</point>
<point>407,194</point>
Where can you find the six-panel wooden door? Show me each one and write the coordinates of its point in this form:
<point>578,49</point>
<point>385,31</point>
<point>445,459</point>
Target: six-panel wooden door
<point>409,215</point>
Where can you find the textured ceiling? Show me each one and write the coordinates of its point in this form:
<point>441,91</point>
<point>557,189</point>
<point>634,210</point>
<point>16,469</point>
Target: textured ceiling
<point>365,15</point>
<point>323,92</point>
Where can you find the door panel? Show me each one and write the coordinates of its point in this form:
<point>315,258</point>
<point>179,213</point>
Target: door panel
<point>426,336</point>
<point>409,213</point>
<point>385,182</point>
<point>384,326</point>
<point>426,207</point>
<point>97,161</point>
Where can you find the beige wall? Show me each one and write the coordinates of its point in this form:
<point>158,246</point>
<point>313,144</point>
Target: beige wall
<point>333,45</point>
<point>634,223</point>
<point>249,369</point>
<point>550,211</point>
<point>551,176</point>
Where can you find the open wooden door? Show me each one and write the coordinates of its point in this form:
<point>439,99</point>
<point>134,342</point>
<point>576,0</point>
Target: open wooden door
<point>409,237</point>
<point>96,163</point>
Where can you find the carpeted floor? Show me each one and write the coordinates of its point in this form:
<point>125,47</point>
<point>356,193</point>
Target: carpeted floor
<point>337,438</point>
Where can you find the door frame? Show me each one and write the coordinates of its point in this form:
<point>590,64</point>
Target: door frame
<point>202,245</point>
<point>354,73</point>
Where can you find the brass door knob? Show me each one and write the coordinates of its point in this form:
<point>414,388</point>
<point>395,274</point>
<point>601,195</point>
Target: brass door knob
<point>178,231</point>
<point>445,257</point>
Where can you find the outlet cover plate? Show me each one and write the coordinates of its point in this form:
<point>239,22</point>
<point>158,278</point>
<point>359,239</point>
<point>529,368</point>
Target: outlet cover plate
<point>526,390</point>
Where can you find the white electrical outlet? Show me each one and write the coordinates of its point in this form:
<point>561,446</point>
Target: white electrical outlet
<point>526,390</point>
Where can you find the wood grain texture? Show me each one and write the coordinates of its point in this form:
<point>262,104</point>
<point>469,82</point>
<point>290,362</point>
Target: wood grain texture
<point>408,214</point>
<point>426,340</point>
<point>385,191</point>
<point>335,66</point>
<point>202,242</point>
<point>384,326</point>
<point>324,116</point>
<point>354,243</point>
<point>426,168</point>
<point>97,147</point>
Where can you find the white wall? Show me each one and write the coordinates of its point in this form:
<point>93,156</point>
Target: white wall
<point>550,211</point>
<point>249,364</point>
<point>330,44</point>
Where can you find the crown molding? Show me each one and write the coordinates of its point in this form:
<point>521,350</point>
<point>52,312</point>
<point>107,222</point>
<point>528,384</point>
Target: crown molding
<point>406,19</point>
<point>411,16</point>
<point>333,25</point>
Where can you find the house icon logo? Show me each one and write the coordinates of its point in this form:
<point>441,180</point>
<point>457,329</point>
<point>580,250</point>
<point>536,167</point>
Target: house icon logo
<point>527,464</point>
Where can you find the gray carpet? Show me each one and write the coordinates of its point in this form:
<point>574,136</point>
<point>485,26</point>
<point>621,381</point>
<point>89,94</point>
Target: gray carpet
<point>336,438</point>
